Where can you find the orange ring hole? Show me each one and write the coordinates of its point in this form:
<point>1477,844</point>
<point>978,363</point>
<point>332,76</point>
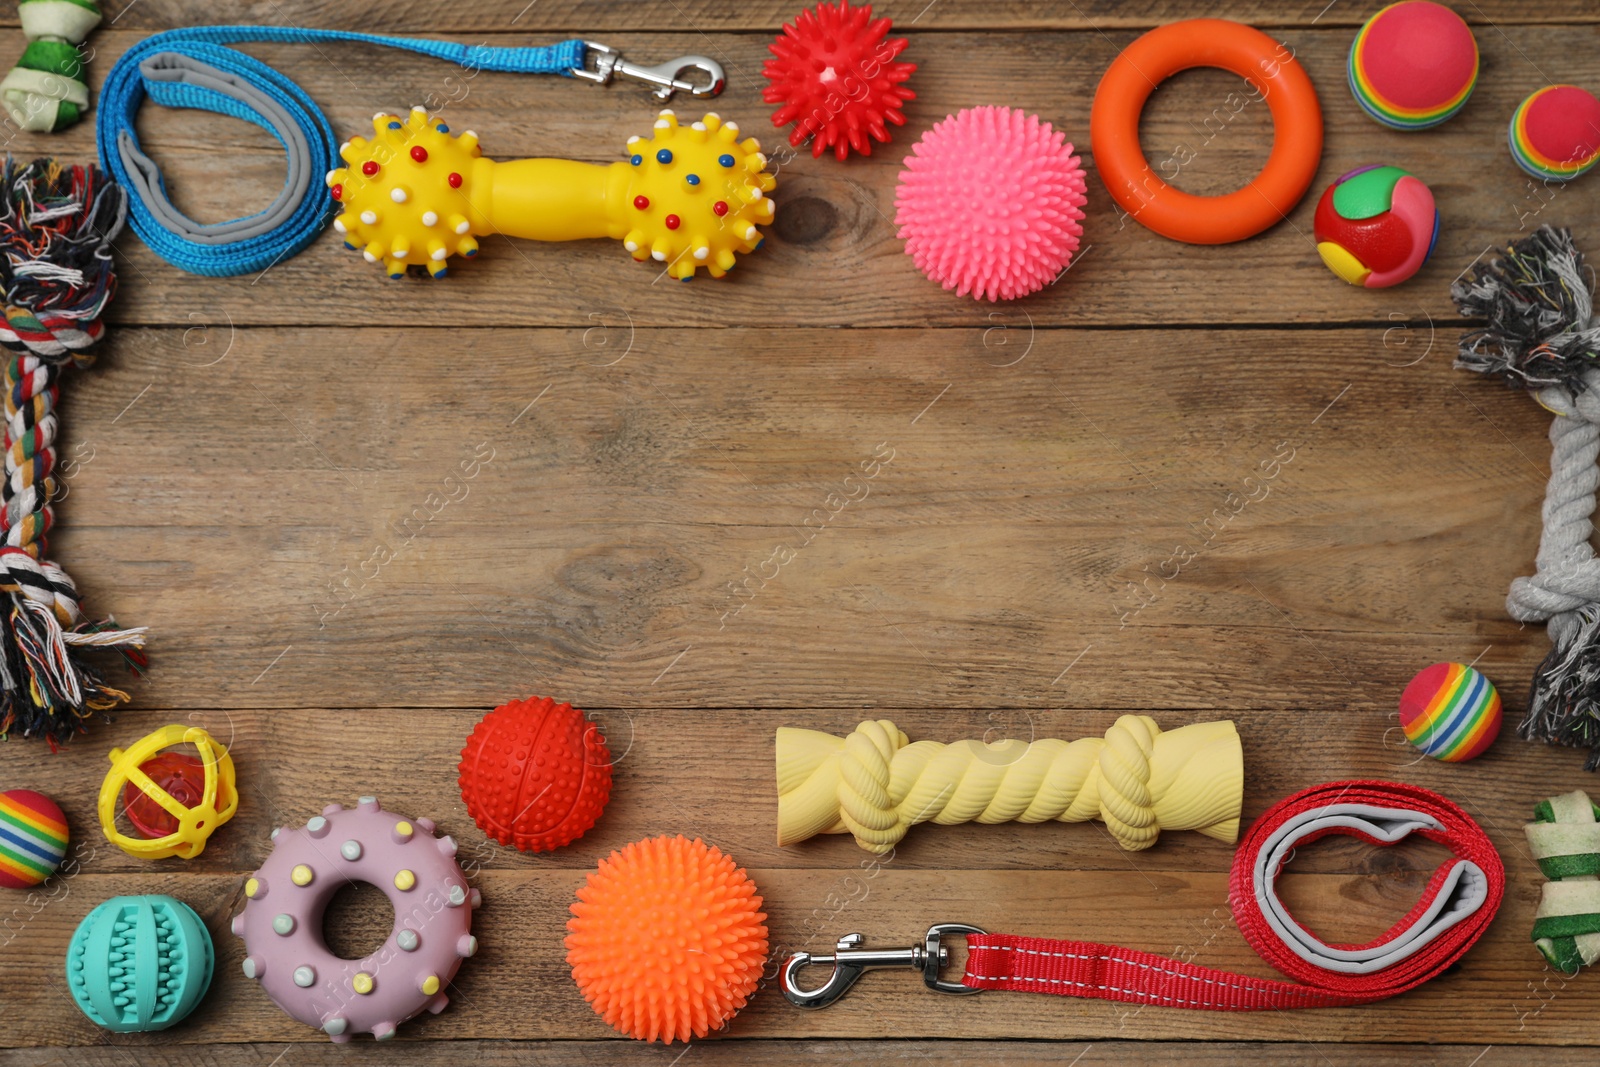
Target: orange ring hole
<point>1269,67</point>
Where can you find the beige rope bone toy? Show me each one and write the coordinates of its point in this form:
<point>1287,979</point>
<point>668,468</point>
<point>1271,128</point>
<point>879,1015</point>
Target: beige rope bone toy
<point>1138,780</point>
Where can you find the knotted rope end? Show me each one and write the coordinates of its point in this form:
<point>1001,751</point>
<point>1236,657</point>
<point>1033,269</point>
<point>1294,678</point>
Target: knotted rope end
<point>1536,302</point>
<point>1564,696</point>
<point>1539,333</point>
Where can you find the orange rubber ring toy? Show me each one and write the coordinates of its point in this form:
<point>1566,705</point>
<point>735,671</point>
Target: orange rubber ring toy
<point>1232,46</point>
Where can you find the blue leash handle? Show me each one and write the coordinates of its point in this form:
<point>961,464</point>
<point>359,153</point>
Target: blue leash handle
<point>192,68</point>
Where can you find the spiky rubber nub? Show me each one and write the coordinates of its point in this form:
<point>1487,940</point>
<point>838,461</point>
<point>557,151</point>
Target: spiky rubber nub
<point>667,939</point>
<point>835,73</point>
<point>989,203</point>
<point>405,194</point>
<point>695,195</point>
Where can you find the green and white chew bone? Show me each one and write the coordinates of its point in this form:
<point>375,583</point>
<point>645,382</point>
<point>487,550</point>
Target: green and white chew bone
<point>47,89</point>
<point>1565,839</point>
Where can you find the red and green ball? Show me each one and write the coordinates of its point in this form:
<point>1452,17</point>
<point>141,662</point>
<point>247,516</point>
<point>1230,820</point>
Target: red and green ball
<point>1376,226</point>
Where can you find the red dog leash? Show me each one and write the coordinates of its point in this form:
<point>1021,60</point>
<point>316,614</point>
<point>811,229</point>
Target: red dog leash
<point>1456,907</point>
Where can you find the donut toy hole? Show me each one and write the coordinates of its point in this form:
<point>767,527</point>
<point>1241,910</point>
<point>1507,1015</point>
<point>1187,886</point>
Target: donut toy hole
<point>1206,131</point>
<point>359,919</point>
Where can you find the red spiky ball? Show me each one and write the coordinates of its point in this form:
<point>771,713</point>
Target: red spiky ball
<point>835,73</point>
<point>535,774</point>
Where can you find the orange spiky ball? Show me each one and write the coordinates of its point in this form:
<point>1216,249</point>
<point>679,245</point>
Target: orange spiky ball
<point>667,939</point>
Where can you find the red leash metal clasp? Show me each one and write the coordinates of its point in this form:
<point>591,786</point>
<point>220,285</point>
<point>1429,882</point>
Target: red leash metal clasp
<point>850,961</point>
<point>1456,907</point>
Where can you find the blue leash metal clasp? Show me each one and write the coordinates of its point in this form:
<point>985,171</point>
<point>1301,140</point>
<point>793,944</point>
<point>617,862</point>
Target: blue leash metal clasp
<point>667,77</point>
<point>194,67</point>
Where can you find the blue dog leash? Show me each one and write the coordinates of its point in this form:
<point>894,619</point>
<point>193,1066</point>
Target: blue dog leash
<point>192,68</point>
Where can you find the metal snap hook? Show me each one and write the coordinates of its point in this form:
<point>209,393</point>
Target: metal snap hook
<point>850,961</point>
<point>667,77</point>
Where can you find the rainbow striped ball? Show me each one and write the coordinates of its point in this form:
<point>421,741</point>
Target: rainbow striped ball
<point>1555,133</point>
<point>33,838</point>
<point>1450,712</point>
<point>1413,65</point>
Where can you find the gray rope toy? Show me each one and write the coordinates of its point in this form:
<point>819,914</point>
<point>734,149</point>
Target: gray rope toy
<point>1541,336</point>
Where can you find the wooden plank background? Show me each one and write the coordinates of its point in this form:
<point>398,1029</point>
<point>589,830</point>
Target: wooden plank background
<point>246,445</point>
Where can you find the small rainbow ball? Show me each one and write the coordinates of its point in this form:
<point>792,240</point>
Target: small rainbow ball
<point>535,774</point>
<point>1413,65</point>
<point>1555,133</point>
<point>667,940</point>
<point>1376,226</point>
<point>33,838</point>
<point>1450,712</point>
<point>990,203</point>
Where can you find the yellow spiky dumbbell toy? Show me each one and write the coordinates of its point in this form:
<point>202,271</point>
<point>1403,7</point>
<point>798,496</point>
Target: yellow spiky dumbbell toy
<point>688,196</point>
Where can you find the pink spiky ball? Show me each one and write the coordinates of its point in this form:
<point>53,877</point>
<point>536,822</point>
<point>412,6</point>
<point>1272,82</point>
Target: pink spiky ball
<point>989,203</point>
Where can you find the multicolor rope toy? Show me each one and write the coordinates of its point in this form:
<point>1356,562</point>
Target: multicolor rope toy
<point>1564,838</point>
<point>57,223</point>
<point>1541,336</point>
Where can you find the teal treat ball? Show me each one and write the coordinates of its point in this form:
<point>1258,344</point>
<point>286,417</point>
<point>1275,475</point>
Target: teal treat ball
<point>139,963</point>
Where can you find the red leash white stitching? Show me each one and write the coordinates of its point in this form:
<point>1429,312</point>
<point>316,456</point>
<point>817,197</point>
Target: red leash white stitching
<point>1456,907</point>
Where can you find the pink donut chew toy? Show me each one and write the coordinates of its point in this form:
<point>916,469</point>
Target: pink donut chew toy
<point>282,920</point>
<point>989,203</point>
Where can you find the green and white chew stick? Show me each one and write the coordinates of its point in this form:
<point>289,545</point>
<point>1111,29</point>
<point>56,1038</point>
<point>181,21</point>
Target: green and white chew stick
<point>48,90</point>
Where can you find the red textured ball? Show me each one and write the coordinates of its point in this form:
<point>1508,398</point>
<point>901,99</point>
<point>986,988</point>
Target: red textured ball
<point>535,774</point>
<point>835,73</point>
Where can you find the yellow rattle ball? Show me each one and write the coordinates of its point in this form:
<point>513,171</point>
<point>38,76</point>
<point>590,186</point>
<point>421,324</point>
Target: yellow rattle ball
<point>173,800</point>
<point>687,196</point>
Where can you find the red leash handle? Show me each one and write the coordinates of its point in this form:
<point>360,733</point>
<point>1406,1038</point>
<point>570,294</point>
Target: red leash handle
<point>1456,907</point>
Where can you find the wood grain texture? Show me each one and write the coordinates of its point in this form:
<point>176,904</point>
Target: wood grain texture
<point>1190,482</point>
<point>658,750</point>
<point>1181,913</point>
<point>839,1053</point>
<point>712,492</point>
<point>834,223</point>
<point>585,17</point>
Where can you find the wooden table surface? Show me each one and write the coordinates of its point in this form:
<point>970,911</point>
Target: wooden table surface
<point>267,473</point>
